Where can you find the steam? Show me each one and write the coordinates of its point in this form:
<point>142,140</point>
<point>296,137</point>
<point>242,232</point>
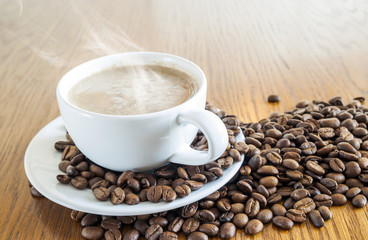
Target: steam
<point>30,25</point>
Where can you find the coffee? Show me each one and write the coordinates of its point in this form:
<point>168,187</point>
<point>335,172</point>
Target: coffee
<point>132,90</point>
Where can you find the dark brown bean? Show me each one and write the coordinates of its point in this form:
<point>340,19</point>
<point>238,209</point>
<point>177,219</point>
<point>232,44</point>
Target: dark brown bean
<point>283,222</point>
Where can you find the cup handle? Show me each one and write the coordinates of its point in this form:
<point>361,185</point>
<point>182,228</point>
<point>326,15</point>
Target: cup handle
<point>215,132</point>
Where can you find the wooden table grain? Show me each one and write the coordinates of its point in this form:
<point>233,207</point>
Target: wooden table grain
<point>248,49</point>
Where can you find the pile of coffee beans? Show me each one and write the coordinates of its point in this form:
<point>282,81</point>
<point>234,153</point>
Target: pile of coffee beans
<point>163,184</point>
<point>297,165</point>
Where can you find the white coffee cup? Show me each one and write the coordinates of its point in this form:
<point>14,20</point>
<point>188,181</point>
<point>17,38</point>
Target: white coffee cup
<point>144,141</point>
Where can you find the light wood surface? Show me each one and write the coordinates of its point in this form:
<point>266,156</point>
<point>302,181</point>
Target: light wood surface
<point>248,50</point>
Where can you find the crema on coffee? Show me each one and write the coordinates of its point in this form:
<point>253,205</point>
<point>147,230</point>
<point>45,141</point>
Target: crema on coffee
<point>132,90</point>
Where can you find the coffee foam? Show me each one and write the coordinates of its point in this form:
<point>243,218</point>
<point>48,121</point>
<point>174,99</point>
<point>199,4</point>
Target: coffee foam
<point>132,90</point>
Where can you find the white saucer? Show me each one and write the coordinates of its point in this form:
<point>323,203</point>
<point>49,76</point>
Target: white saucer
<point>41,166</point>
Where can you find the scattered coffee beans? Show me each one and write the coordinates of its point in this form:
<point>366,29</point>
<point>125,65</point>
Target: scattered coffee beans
<point>297,164</point>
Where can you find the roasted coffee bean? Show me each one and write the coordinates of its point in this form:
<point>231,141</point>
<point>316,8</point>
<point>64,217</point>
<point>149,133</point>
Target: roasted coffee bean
<point>69,152</point>
<point>61,145</point>
<point>262,190</point>
<point>153,232</point>
<point>273,98</point>
<point>254,226</point>
<point>190,225</point>
<point>323,200</point>
<point>269,181</point>
<point>82,166</point>
<point>329,183</point>
<point>131,199</point>
<point>240,220</point>
<point>326,132</point>
<point>283,222</point>
<point>226,217</point>
<point>278,210</point>
<point>141,226</point>
<point>260,198</point>
<point>325,212</point>
<point>101,183</point>
<point>337,165</point>
<point>330,122</point>
<point>168,194</point>
<point>315,167</point>
<point>168,236</point>
<point>117,196</point>
<point>92,232</point>
<point>197,236</point>
<point>176,225</point>
<point>79,182</point>
<point>306,205</point>
<point>77,215</point>
<point>110,223</point>
<point>364,191</point>
<point>352,192</point>
<point>124,177</point>
<point>265,216</point>
<point>63,178</point>
<point>101,193</point>
<point>252,207</point>
<point>63,165</point>
<point>131,234</point>
<point>341,188</point>
<point>111,177</point>
<point>289,203</point>
<point>90,220</point>
<point>159,220</point>
<point>338,199</point>
<point>300,194</point>
<point>239,207</point>
<point>308,148</point>
<point>71,171</point>
<point>227,230</point>
<point>245,187</point>
<point>209,229</point>
<point>273,198</point>
<point>359,201</point>
<point>239,198</point>
<point>206,204</point>
<point>274,158</point>
<point>316,218</point>
<point>352,169</point>
<point>224,204</point>
<point>113,234</point>
<point>154,194</point>
<point>189,210</point>
<point>296,215</point>
<point>290,164</point>
<point>183,190</point>
<point>207,216</point>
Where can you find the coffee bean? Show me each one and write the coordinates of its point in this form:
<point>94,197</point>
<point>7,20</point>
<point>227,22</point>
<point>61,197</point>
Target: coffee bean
<point>325,212</point>
<point>189,210</point>
<point>197,236</point>
<point>352,169</point>
<point>113,234</point>
<point>93,233</point>
<point>101,193</point>
<point>306,205</point>
<point>124,177</point>
<point>117,196</point>
<point>323,200</point>
<point>131,234</point>
<point>153,232</point>
<point>154,194</point>
<point>207,216</point>
<point>338,199</point>
<point>273,98</point>
<point>341,188</point>
<point>265,216</point>
<point>168,236</point>
<point>296,215</point>
<point>278,210</point>
<point>330,122</point>
<point>176,225</point>
<point>131,199</point>
<point>183,190</point>
<point>190,225</point>
<point>352,192</point>
<point>289,203</point>
<point>227,230</point>
<point>316,218</point>
<point>224,204</point>
<point>63,178</point>
<point>299,194</point>
<point>274,158</point>
<point>89,220</point>
<point>254,226</point>
<point>308,148</point>
<point>159,220</point>
<point>359,201</point>
<point>252,207</point>
<point>79,182</point>
<point>110,223</point>
<point>77,215</point>
<point>239,207</point>
<point>269,181</point>
<point>141,226</point>
<point>315,168</point>
<point>337,165</point>
<point>283,222</point>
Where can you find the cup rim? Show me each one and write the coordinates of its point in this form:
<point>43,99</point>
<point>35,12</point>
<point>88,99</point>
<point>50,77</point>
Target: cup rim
<point>202,84</point>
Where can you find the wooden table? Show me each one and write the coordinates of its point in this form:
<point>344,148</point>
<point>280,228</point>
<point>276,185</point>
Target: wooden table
<point>247,49</point>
